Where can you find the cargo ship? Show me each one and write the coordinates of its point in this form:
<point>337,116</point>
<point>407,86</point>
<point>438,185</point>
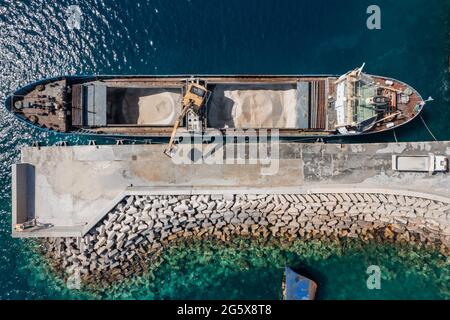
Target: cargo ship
<point>355,103</point>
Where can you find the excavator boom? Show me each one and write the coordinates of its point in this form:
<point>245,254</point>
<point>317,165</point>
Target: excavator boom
<point>193,99</point>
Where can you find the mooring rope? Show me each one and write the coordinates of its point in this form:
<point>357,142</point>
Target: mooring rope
<point>424,123</point>
<point>395,136</point>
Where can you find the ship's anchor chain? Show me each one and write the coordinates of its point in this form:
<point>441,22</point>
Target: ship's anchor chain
<point>423,121</point>
<point>429,131</point>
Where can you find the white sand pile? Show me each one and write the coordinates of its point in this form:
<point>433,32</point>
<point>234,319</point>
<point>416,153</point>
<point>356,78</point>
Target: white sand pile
<point>247,107</point>
<point>159,109</point>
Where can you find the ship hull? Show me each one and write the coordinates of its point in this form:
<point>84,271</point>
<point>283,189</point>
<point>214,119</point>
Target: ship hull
<point>234,90</point>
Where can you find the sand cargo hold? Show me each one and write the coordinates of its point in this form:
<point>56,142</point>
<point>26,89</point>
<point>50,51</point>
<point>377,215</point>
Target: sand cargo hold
<point>151,106</point>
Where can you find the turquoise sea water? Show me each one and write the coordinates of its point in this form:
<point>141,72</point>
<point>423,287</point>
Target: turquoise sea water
<point>225,37</point>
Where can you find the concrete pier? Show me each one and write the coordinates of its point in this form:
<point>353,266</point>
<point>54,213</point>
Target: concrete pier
<point>68,190</point>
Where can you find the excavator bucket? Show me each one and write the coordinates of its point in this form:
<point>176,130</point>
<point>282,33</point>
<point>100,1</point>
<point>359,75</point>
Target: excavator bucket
<point>170,152</point>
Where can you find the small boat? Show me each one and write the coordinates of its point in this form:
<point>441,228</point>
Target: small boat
<point>298,287</point>
<point>316,106</point>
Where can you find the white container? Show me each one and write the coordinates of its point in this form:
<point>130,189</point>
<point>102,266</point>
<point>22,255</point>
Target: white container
<point>420,163</point>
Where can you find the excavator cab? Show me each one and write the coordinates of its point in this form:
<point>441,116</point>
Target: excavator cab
<point>195,95</point>
<point>194,98</point>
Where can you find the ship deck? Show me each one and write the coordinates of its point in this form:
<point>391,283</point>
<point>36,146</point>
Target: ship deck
<point>149,106</point>
<point>31,107</point>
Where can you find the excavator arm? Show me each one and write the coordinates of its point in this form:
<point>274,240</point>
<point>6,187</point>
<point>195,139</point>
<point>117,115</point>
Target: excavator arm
<point>194,98</point>
<point>170,148</point>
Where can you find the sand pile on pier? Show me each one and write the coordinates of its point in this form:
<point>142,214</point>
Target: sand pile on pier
<point>140,226</point>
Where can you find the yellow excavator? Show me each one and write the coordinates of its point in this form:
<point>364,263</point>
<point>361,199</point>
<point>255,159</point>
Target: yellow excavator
<point>194,99</point>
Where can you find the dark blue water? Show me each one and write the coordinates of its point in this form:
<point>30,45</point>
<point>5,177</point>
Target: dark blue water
<point>211,37</point>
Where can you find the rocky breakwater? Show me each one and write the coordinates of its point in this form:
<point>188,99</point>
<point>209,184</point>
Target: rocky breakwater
<point>139,227</point>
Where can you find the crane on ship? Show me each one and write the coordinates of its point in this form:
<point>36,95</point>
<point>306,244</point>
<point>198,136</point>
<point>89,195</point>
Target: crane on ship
<point>194,98</point>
